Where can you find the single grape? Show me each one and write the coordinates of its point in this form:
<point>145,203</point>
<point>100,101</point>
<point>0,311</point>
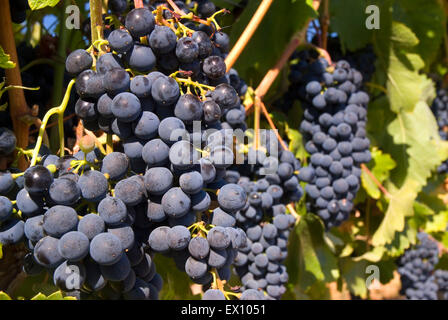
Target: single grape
<point>140,22</point>
<point>5,208</point>
<point>165,91</point>
<point>106,249</point>
<point>158,239</point>
<point>46,252</point>
<point>116,165</point>
<point>213,294</point>
<point>69,275</point>
<point>116,81</point>
<point>64,192</point>
<point>176,203</point>
<point>93,185</point>
<point>187,50</point>
<point>146,126</point>
<point>125,234</point>
<point>130,192</point>
<point>91,225</point>
<point>214,67</point>
<point>120,40</point>
<point>37,179</point>
<point>126,107</point>
<point>59,220</point>
<point>141,58</point>
<point>188,108</point>
<point>195,269</point>
<point>113,211</point>
<point>12,232</point>
<point>162,40</point>
<point>178,238</point>
<point>7,142</point>
<point>78,61</point>
<point>158,180</point>
<point>73,246</point>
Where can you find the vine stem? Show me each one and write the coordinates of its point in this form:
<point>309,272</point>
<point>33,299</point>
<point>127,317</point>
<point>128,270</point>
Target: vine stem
<point>257,122</point>
<point>293,211</point>
<point>79,131</point>
<point>52,124</point>
<point>17,103</point>
<point>36,62</point>
<point>272,125</point>
<point>175,7</point>
<point>273,73</point>
<point>59,71</point>
<point>247,33</point>
<point>375,180</point>
<point>181,13</point>
<point>138,3</point>
<point>324,23</point>
<point>96,20</point>
<point>109,144</point>
<point>60,112</point>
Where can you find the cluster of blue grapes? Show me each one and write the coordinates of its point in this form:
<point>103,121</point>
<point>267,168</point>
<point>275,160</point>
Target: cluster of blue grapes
<point>416,268</point>
<point>334,132</point>
<point>106,216</point>
<point>362,59</point>
<point>440,109</point>
<point>101,252</point>
<point>264,219</point>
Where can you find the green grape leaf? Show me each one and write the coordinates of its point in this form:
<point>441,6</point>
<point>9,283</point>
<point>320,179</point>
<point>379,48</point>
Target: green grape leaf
<point>59,295</point>
<point>380,166</point>
<point>39,296</point>
<point>402,240</point>
<point>5,63</point>
<point>295,143</point>
<point>437,222</point>
<point>348,19</point>
<point>4,296</point>
<point>402,36</point>
<point>354,274</point>
<point>419,150</point>
<point>444,239</point>
<point>443,262</point>
<point>400,206</point>
<point>40,4</point>
<point>373,256</point>
<point>398,65</point>
<point>56,296</point>
<point>429,28</point>
<point>310,259</point>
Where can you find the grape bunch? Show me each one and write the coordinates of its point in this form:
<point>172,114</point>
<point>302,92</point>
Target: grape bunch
<point>61,234</point>
<point>334,132</point>
<point>259,263</point>
<point>439,108</point>
<point>106,216</point>
<point>362,59</point>
<point>264,219</point>
<point>416,269</point>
